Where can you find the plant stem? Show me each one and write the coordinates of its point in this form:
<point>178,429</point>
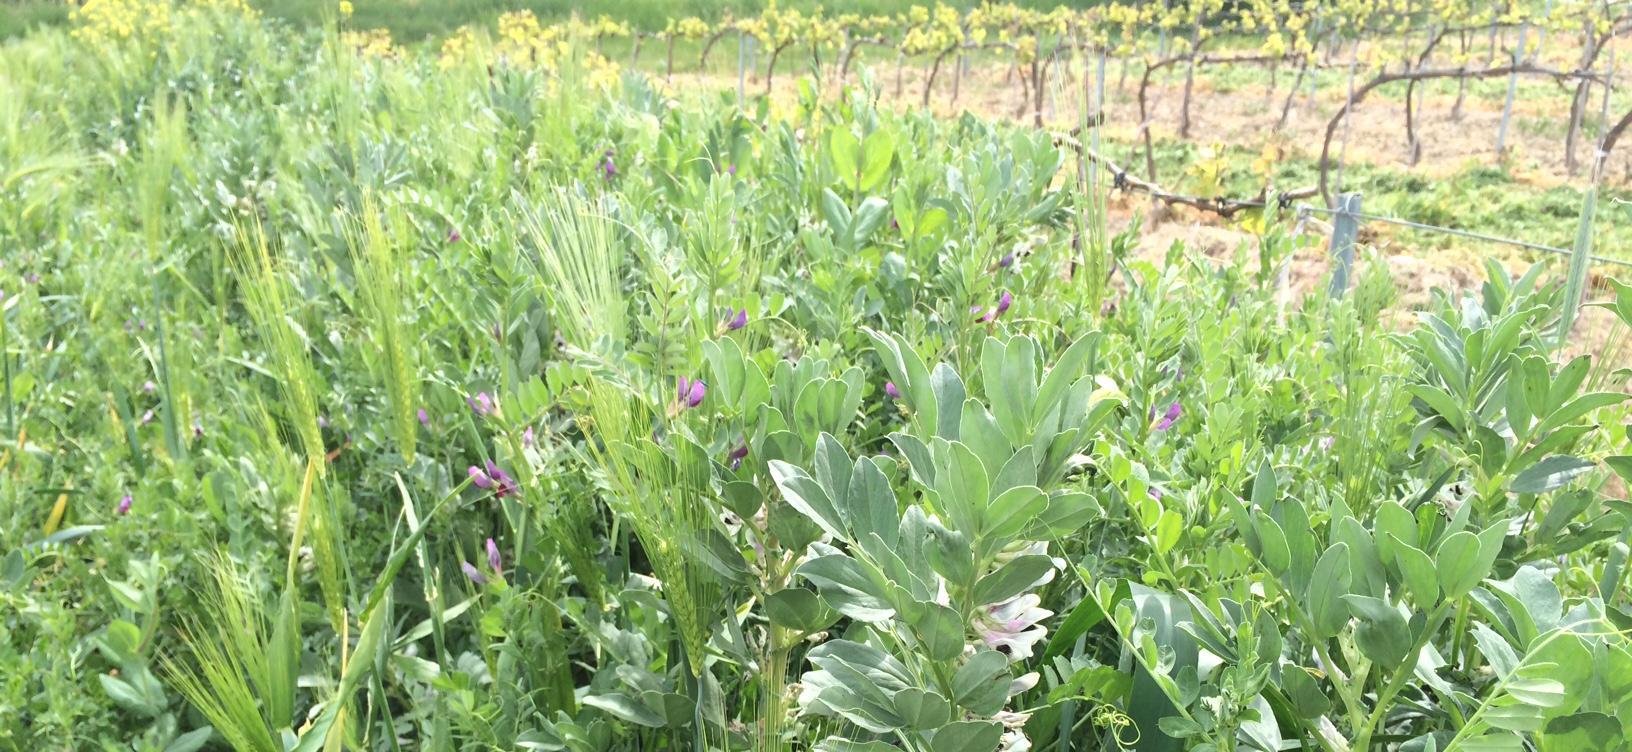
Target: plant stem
<point>1362,740</point>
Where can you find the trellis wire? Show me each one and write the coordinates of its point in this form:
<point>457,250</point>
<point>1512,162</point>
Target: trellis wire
<point>1469,234</point>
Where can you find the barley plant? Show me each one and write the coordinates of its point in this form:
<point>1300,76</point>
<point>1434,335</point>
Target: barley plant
<point>486,392</point>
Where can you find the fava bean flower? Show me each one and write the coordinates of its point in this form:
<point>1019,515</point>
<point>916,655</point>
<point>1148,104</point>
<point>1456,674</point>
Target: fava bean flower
<point>737,454</point>
<point>1013,626</point>
<point>472,573</point>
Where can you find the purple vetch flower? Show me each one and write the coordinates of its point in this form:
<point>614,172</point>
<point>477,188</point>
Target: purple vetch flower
<point>198,429</point>
<point>735,319</point>
<point>689,393</point>
<point>1013,626</point>
<point>454,236</point>
<point>527,439</point>
<point>1170,417</point>
<point>147,417</point>
<point>33,278</point>
<point>424,418</point>
<point>124,506</point>
<point>493,478</point>
<point>149,387</point>
<point>731,169</point>
<point>608,168</point>
<point>737,454</point>
<point>493,559</point>
<point>322,421</point>
<point>1326,443</point>
<point>889,388</point>
<point>503,484</point>
<point>482,405</point>
<point>472,573</point>
<point>1002,307</point>
<point>1006,261</point>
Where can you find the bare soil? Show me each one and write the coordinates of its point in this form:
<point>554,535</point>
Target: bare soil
<point>1246,118</point>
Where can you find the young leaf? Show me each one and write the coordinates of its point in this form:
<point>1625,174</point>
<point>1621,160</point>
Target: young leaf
<point>1418,572</point>
<point>1393,523</point>
<point>1329,583</point>
<point>967,736</point>
<point>846,586</point>
<point>1549,474</point>
<point>1459,564</point>
<point>982,684</point>
<point>1012,579</point>
<point>1382,634</point>
<point>803,493</point>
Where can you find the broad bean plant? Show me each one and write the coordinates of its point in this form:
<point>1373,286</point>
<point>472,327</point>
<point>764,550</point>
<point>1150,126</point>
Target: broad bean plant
<point>423,404</point>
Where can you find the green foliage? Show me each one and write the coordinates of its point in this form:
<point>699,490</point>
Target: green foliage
<point>1201,516</point>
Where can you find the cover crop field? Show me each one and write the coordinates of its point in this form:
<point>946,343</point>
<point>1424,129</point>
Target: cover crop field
<point>494,397</point>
